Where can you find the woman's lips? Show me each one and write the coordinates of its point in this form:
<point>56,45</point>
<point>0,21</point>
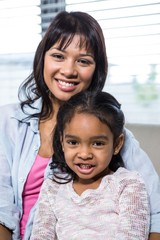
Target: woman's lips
<point>67,86</point>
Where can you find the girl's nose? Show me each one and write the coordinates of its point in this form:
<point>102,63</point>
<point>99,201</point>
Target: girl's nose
<point>85,154</point>
<point>69,69</point>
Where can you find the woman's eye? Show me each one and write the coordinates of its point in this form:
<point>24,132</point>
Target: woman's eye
<point>84,61</point>
<point>58,56</point>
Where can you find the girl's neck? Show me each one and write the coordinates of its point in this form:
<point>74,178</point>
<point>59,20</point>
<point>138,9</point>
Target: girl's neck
<point>81,185</point>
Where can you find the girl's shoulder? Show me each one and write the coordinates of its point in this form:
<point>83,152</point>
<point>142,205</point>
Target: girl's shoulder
<point>123,172</point>
<point>50,186</point>
<point>127,177</point>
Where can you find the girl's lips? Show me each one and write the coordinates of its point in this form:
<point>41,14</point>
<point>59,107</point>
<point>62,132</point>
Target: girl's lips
<point>85,168</point>
<point>67,86</point>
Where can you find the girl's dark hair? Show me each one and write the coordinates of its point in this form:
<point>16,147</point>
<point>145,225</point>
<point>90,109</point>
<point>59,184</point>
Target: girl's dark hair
<point>62,29</point>
<point>103,106</point>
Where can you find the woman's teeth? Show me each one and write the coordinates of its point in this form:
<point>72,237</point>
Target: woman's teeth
<point>66,84</point>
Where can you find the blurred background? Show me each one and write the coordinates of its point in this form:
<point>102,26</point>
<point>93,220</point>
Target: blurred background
<point>132,35</point>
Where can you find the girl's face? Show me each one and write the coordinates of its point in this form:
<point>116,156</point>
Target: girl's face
<point>88,147</point>
<point>68,71</point>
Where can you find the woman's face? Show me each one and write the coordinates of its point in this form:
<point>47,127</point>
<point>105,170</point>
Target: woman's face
<point>68,71</point>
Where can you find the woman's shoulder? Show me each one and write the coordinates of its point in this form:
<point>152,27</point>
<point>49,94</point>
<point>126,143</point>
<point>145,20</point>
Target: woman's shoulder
<point>8,124</point>
<point>8,112</point>
<point>9,108</point>
<point>15,111</point>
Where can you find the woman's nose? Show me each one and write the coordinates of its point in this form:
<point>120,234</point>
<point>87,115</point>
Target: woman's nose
<point>69,69</point>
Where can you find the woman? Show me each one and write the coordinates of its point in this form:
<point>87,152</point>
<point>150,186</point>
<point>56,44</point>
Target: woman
<point>70,58</point>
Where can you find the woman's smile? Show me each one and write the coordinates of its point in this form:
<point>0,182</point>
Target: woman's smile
<point>67,86</point>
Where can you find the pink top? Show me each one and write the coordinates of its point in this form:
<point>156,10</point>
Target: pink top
<point>32,189</point>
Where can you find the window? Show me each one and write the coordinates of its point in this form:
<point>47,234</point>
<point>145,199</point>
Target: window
<point>132,35</point>
<point>49,9</point>
<point>20,25</point>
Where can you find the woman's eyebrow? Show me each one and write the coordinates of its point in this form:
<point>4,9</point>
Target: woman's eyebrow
<point>87,54</point>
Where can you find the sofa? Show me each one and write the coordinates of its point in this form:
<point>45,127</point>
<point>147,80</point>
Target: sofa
<point>149,139</point>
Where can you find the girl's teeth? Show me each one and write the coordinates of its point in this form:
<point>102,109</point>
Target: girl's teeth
<point>67,84</point>
<point>86,166</point>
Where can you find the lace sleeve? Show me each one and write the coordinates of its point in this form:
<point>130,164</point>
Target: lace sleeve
<point>134,209</point>
<point>44,220</point>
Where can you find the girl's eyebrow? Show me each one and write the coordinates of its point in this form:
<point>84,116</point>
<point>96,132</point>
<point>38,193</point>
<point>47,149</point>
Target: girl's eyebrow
<point>92,138</point>
<point>69,136</point>
<point>104,137</point>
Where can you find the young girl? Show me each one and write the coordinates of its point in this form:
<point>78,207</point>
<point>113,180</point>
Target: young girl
<point>91,195</point>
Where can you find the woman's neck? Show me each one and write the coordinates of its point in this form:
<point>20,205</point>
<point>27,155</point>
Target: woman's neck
<point>46,129</point>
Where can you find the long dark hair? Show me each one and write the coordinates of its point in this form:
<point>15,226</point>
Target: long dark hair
<point>62,29</point>
<point>102,105</point>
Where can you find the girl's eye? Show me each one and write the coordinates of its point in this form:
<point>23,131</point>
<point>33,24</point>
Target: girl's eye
<point>98,144</point>
<point>72,142</point>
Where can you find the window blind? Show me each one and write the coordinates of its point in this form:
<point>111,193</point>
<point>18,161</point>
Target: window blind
<point>131,28</point>
<point>132,36</point>
<point>20,25</point>
<point>49,9</point>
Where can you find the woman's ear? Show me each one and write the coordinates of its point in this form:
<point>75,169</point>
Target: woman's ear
<point>119,144</point>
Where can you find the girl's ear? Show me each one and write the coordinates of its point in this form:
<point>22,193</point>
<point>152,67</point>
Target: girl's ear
<point>119,144</point>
